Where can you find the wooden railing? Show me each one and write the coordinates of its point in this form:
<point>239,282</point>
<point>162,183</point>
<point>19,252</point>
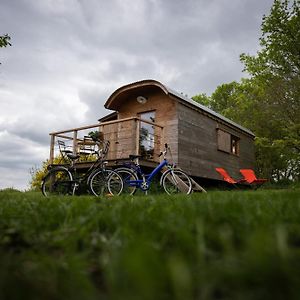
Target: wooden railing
<point>124,135</point>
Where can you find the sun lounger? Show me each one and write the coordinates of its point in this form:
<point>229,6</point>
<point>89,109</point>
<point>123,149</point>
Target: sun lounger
<point>250,177</point>
<point>226,177</point>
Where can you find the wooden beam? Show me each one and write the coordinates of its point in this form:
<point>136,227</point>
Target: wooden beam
<point>75,129</point>
<point>64,136</point>
<point>103,123</point>
<point>149,122</point>
<point>118,121</point>
<point>52,143</point>
<point>137,137</point>
<point>75,142</point>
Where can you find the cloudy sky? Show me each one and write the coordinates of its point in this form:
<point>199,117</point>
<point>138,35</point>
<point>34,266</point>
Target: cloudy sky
<point>68,56</point>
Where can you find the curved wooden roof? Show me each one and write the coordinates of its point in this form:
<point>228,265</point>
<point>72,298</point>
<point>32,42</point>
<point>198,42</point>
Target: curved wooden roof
<point>143,87</point>
<point>139,88</point>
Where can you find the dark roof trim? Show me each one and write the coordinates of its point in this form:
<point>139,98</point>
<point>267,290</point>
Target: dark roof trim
<point>167,90</point>
<point>109,117</point>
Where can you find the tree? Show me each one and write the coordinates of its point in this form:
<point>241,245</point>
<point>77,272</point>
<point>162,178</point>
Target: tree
<point>276,70</point>
<point>280,42</point>
<point>276,67</point>
<point>37,174</point>
<point>202,99</point>
<point>4,40</point>
<point>268,102</point>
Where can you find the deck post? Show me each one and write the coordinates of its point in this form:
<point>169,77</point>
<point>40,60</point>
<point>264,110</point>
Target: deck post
<point>75,142</point>
<point>137,135</point>
<point>162,138</point>
<point>133,130</point>
<point>52,143</point>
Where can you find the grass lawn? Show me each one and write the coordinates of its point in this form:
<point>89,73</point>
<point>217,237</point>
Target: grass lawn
<point>219,245</point>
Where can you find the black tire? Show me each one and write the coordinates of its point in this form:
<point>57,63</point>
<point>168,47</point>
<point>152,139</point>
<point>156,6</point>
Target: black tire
<point>127,174</point>
<point>106,183</point>
<point>176,181</point>
<point>58,182</point>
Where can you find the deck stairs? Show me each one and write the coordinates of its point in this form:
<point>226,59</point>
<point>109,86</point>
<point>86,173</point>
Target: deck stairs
<point>183,187</point>
<point>197,187</point>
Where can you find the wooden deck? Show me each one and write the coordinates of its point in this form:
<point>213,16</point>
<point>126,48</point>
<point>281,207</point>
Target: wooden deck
<point>125,137</point>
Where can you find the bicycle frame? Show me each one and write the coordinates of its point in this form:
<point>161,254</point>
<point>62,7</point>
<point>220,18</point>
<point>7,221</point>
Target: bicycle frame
<point>173,180</point>
<point>146,180</point>
<point>86,176</point>
<point>77,181</point>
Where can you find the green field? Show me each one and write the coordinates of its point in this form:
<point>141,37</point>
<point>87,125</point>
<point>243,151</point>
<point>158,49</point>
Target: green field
<point>219,245</point>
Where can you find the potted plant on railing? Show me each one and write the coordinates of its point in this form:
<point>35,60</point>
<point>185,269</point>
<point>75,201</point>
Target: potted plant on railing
<point>96,136</point>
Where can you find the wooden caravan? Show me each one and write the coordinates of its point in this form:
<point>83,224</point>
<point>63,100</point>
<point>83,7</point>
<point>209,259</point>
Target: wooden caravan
<point>148,114</point>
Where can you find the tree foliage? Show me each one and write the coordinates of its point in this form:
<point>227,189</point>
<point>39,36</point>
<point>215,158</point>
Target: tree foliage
<point>202,99</point>
<point>277,66</point>
<point>280,43</point>
<point>276,71</point>
<point>38,174</point>
<point>268,102</point>
<point>5,40</point>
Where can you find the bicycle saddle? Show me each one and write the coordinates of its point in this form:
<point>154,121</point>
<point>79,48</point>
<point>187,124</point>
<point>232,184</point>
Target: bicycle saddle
<point>73,156</point>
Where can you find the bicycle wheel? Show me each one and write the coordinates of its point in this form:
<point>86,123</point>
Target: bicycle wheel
<point>106,183</point>
<point>176,181</point>
<point>57,182</point>
<point>127,175</point>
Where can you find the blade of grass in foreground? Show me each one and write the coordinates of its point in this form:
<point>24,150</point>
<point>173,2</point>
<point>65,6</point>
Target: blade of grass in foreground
<point>226,245</point>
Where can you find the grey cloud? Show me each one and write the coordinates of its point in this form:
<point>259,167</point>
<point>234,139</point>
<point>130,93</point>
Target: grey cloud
<point>18,156</point>
<point>95,100</point>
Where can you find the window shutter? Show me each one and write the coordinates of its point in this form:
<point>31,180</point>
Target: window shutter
<point>224,141</point>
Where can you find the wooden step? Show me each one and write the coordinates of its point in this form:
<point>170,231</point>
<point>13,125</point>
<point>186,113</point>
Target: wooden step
<point>196,187</point>
<point>183,187</point>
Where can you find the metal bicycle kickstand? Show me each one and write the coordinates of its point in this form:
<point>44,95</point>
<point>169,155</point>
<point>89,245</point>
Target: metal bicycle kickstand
<point>75,186</point>
<point>144,185</point>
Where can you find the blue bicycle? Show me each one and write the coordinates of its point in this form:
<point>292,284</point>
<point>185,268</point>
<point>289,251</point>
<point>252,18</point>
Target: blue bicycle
<point>173,180</point>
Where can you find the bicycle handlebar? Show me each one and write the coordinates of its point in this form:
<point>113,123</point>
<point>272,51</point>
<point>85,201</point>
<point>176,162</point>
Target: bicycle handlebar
<point>164,153</point>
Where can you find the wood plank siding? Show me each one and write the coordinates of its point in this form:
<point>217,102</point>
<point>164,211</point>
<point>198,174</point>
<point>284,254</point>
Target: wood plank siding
<point>165,114</point>
<point>199,151</point>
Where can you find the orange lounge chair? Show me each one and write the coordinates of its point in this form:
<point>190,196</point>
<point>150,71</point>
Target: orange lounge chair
<point>226,177</point>
<point>249,176</point>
